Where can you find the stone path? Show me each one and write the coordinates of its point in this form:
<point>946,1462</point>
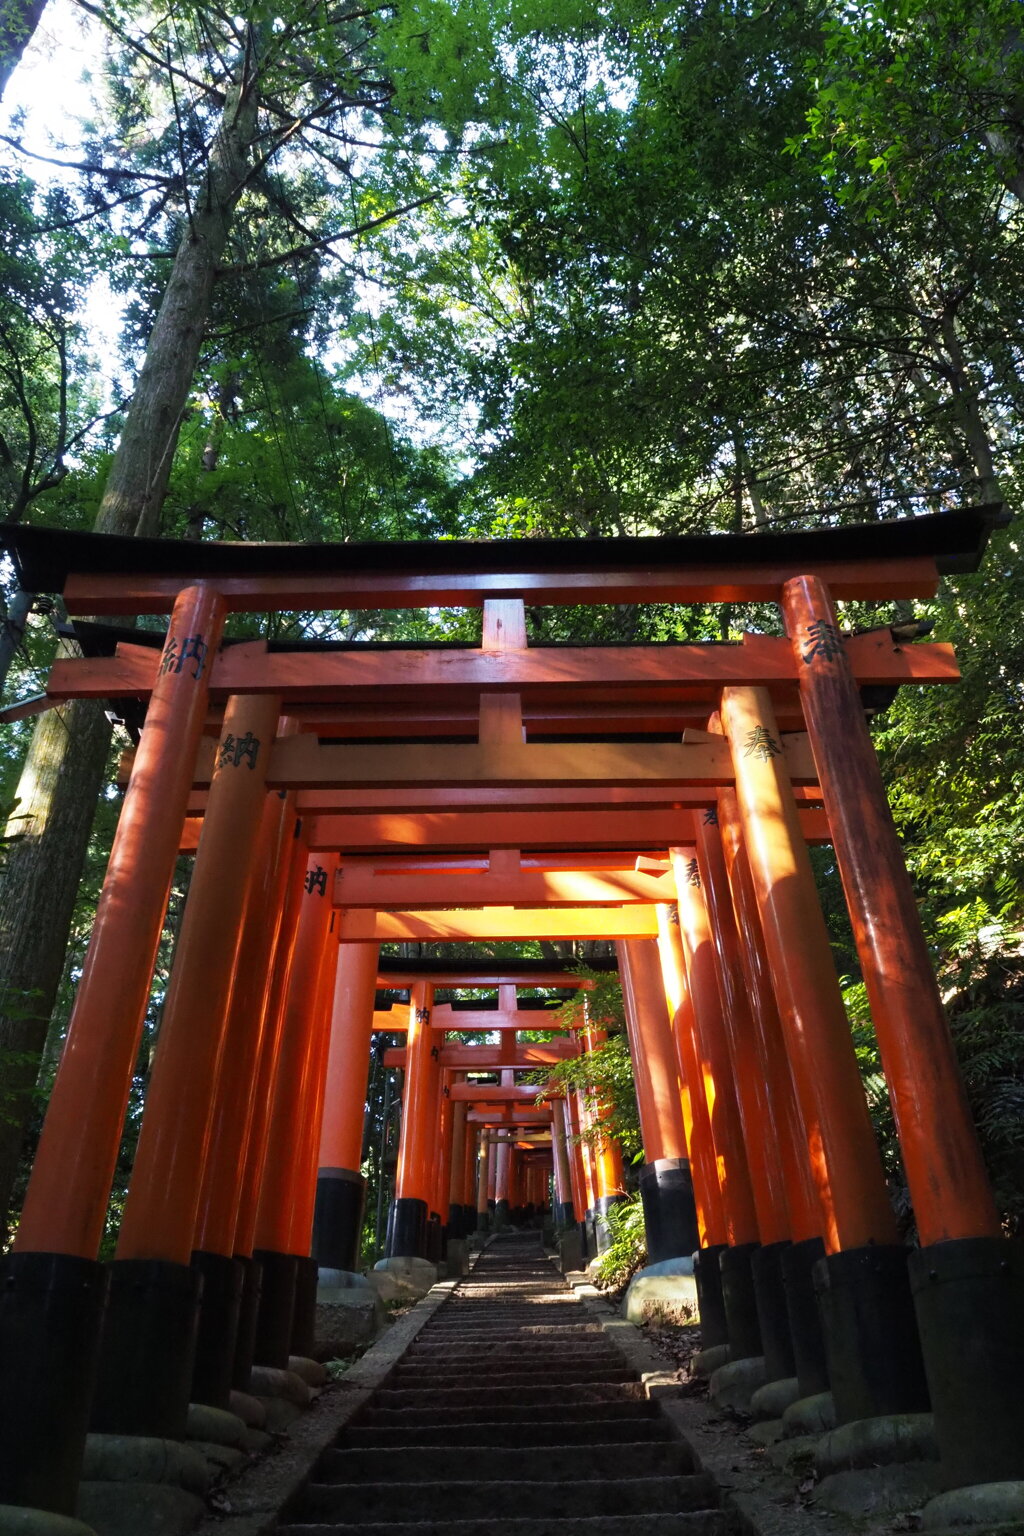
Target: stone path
<point>509,1415</point>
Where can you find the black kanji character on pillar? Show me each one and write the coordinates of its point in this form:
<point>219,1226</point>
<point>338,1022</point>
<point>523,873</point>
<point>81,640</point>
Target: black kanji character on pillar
<point>825,641</point>
<point>692,873</point>
<point>193,648</point>
<point>762,744</point>
<point>423,1015</point>
<point>234,750</point>
<point>316,880</point>
<point>711,817</point>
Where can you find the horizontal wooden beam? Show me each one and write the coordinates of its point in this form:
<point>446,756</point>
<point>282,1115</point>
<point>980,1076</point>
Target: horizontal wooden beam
<point>497,923</point>
<point>729,582</point>
<point>462,1093</point>
<point>483,973</point>
<point>445,1016</point>
<point>502,1117</point>
<point>487,1058</point>
<point>444,675</point>
<point>355,889</point>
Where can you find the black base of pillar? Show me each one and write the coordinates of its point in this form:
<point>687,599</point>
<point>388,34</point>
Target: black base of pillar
<point>707,1272</point>
<point>148,1348</point>
<point>602,1231</point>
<point>455,1225</point>
<point>588,1235</point>
<point>51,1315</point>
<point>770,1296</point>
<point>969,1298</point>
<point>565,1214</point>
<point>483,1221</point>
<point>248,1319</point>
<point>670,1215</point>
<point>740,1302</point>
<point>871,1341</point>
<point>797,1263</point>
<point>273,1340</point>
<point>217,1335</point>
<point>338,1218</point>
<point>468,1220</point>
<point>303,1340</point>
<point>433,1244</point>
<point>407,1229</point>
<point>501,1213</point>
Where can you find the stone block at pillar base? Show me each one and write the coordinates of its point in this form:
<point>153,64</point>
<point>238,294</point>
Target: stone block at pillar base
<point>990,1506</point>
<point>877,1442</point>
<point>267,1381</point>
<point>707,1361</point>
<point>17,1520</point>
<point>310,1371</point>
<point>879,1492</point>
<point>144,1459</point>
<point>667,1290</point>
<point>128,1509</point>
<point>772,1400</point>
<point>215,1426</point>
<point>733,1385</point>
<point>403,1279</point>
<point>814,1415</point>
<point>248,1408</point>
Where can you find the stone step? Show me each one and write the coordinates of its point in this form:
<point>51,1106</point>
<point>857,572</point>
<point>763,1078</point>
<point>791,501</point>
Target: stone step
<point>702,1523</point>
<point>483,1397</point>
<point>442,1378</point>
<point>513,1349</point>
<point>527,1432</point>
<point>516,1412</point>
<point>552,1463</point>
<point>385,1502</point>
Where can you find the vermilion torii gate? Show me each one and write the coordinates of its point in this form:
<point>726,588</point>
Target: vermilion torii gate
<point>228,1153</point>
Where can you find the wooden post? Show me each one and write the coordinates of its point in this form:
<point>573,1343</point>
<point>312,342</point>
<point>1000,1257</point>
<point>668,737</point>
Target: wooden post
<point>407,1225</point>
<point>338,1218</point>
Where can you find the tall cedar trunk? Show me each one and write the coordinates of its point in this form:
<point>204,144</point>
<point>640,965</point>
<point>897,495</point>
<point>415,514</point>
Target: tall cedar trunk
<point>65,768</point>
<point>18,22</point>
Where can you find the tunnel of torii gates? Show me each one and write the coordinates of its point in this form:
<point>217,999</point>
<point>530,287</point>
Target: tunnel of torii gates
<point>340,796</point>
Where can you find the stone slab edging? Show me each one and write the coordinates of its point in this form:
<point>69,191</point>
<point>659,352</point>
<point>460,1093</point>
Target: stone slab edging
<point>762,1498</point>
<point>251,1504</point>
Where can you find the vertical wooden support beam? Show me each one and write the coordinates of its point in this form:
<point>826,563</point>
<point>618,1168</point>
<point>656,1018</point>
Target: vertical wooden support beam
<point>483,1213</point>
<point>666,1185</point>
<point>696,1115</point>
<point>609,1178</point>
<point>564,1213</point>
<point>54,1290</point>
<point>414,1185</point>
<point>340,1193</point>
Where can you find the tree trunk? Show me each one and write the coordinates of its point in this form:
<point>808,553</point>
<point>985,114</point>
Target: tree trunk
<point>64,771</point>
<point>18,22</point>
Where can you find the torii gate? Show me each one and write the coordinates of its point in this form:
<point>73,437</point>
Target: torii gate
<point>204,1133</point>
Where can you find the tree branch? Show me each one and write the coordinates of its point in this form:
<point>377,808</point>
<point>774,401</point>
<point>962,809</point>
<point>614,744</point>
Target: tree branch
<point>328,240</point>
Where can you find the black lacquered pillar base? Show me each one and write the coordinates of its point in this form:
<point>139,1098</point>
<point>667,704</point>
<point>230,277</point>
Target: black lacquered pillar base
<point>564,1214</point>
<point>602,1231</point>
<point>407,1229</point>
<point>772,1314</point>
<point>217,1334</point>
<point>303,1340</point>
<point>796,1263</point>
<point>501,1213</point>
<point>969,1299</point>
<point>338,1218</point>
<point>275,1317</point>
<point>144,1381</point>
<point>248,1319</point>
<point>742,1322</point>
<point>707,1272</point>
<point>670,1215</point>
<point>433,1242</point>
<point>871,1340</point>
<point>51,1315</point>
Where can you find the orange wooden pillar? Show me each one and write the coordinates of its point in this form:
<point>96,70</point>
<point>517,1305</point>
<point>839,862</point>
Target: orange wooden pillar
<point>666,1185</point>
<point>870,1334</point>
<point>149,1336</point>
<point>609,1178</point>
<point>501,1180</point>
<point>442,1165</point>
<point>964,1266</point>
<point>564,1211</point>
<point>797,1259</point>
<point>456,1225</point>
<point>54,1291</point>
<point>756,1108</point>
<point>414,1182</point>
<point>711,1041</point>
<point>467,1198</point>
<point>285,1173</point>
<point>483,1211</point>
<point>696,1117</point>
<point>340,1192</point>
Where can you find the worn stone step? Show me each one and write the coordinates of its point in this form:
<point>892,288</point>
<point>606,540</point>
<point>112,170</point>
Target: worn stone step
<point>551,1463</point>
<point>483,1397</point>
<point>444,1377</point>
<point>526,1350</point>
<point>379,1502</point>
<point>550,1414</point>
<point>527,1432</point>
<point>702,1523</point>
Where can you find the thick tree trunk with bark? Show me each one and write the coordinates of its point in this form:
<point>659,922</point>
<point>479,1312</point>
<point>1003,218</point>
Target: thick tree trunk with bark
<point>64,772</point>
<point>18,22</point>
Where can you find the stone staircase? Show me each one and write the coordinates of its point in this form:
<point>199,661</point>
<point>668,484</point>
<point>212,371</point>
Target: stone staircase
<point>509,1415</point>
